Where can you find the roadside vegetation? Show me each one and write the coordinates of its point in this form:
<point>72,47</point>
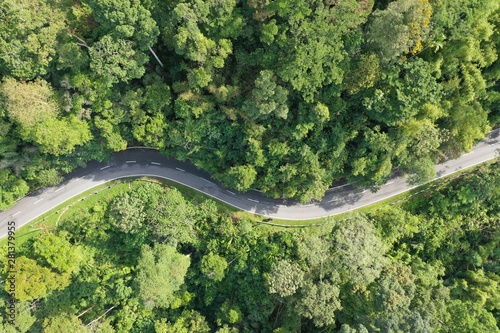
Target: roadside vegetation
<point>145,257</point>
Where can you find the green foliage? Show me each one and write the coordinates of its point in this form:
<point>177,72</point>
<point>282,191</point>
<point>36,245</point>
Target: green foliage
<point>267,98</point>
<point>358,253</point>
<point>28,104</point>
<point>213,266</point>
<point>161,272</point>
<point>399,29</point>
<point>285,278</point>
<point>171,218</point>
<point>116,60</point>
<point>23,320</point>
<point>12,188</point>
<point>63,323</point>
<point>241,177</point>
<point>319,303</point>
<point>471,317</point>
<point>58,252</point>
<point>126,213</point>
<point>28,37</point>
<point>60,137</point>
<point>49,177</point>
<point>34,281</point>
<point>34,107</point>
<point>189,321</point>
<point>285,96</point>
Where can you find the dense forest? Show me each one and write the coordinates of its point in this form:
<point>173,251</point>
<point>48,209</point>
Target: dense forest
<point>286,96</point>
<point>149,260</point>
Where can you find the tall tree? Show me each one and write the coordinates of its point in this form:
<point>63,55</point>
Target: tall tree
<point>34,281</point>
<point>399,29</point>
<point>358,252</point>
<point>285,278</point>
<point>59,253</point>
<point>160,273</point>
<point>319,303</point>
<point>28,37</point>
<point>12,188</point>
<point>126,32</point>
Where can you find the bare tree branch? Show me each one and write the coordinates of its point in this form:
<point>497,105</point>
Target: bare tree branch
<point>158,59</point>
<point>93,321</point>
<point>82,42</point>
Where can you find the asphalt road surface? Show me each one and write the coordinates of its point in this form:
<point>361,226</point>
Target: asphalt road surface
<point>147,162</point>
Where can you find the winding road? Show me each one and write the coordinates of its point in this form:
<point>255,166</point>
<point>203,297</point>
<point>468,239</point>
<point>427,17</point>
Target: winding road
<point>147,162</point>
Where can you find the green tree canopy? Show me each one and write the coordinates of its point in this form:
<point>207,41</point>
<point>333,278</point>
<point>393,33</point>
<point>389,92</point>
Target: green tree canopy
<point>358,252</point>
<point>29,37</point>
<point>59,253</point>
<point>34,281</point>
<point>161,272</point>
<point>285,278</point>
<point>399,29</point>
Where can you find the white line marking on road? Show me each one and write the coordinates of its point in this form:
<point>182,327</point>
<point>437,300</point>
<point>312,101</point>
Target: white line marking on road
<point>334,200</point>
<point>155,163</point>
<point>16,213</point>
<point>389,183</point>
<point>107,166</point>
<point>468,153</point>
<point>130,161</point>
<point>232,193</point>
<point>256,190</point>
<point>253,200</point>
<point>37,201</point>
<point>180,169</point>
<point>59,189</point>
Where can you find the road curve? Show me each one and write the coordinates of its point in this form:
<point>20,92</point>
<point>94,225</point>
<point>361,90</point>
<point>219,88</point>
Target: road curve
<point>147,162</point>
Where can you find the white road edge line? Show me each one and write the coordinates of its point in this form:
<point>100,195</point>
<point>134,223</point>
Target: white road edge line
<point>232,193</point>
<point>130,161</point>
<point>107,166</point>
<point>389,183</point>
<point>182,170</point>
<point>16,213</point>
<point>59,189</point>
<point>334,200</point>
<point>253,200</point>
<point>155,163</point>
<point>37,201</point>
